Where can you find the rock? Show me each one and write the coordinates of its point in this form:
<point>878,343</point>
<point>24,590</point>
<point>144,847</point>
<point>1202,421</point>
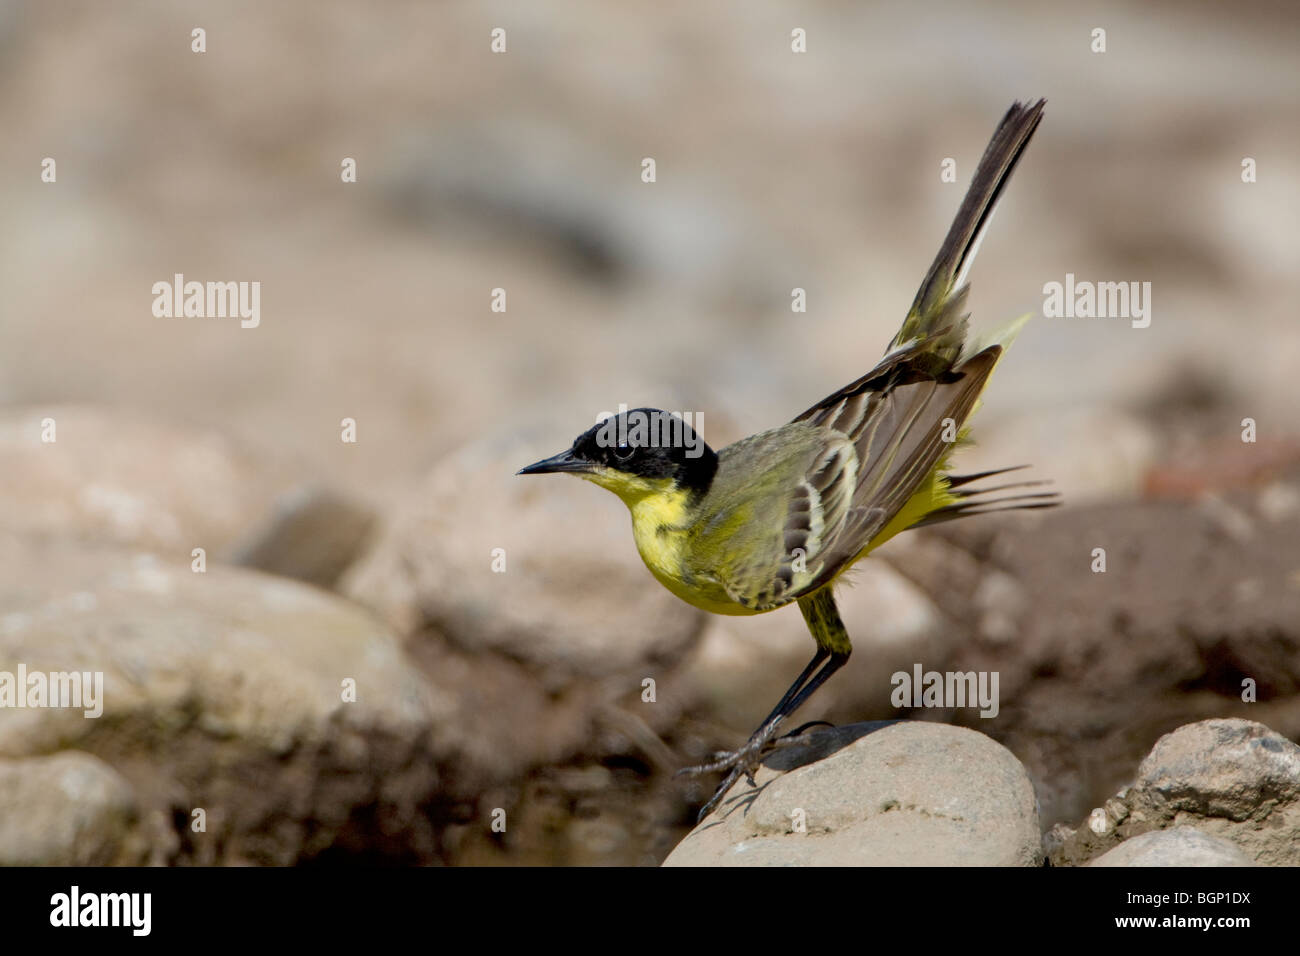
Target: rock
<point>69,809</point>
<point>507,719</point>
<point>1228,778</point>
<point>1100,667</point>
<point>876,794</point>
<point>224,691</point>
<point>1181,846</point>
<point>548,659</point>
<point>110,477</point>
<point>1235,769</point>
<point>570,604</point>
<point>313,536</point>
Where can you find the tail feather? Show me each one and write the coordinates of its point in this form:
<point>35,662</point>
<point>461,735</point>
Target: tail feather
<point>956,481</point>
<point>972,492</point>
<point>938,311</point>
<point>953,512</point>
<point>968,501</point>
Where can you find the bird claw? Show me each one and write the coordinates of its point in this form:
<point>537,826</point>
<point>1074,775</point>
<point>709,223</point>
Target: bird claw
<point>747,759</point>
<point>744,761</point>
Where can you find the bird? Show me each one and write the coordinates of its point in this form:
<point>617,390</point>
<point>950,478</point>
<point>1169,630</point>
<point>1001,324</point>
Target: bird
<point>777,518</point>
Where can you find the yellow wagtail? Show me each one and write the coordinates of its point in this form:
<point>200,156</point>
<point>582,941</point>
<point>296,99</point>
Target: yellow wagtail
<point>779,516</point>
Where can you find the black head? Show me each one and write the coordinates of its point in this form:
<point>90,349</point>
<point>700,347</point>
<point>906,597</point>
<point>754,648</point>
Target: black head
<point>643,443</point>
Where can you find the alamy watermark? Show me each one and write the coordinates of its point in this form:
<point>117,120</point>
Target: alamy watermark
<point>947,689</point>
<point>129,910</point>
<point>651,428</point>
<point>57,689</point>
<point>212,300</point>
<point>1073,299</point>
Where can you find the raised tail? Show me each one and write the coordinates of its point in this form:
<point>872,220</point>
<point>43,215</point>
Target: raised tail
<point>938,313</point>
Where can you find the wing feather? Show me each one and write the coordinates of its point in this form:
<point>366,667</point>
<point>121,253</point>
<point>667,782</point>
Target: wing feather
<point>776,572</point>
<point>869,448</point>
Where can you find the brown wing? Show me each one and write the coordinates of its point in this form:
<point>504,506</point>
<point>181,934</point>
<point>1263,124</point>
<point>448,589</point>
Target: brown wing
<point>896,421</point>
<point>862,452</point>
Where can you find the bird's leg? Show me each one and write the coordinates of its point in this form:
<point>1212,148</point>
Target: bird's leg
<point>833,648</point>
<point>780,710</point>
<point>724,759</point>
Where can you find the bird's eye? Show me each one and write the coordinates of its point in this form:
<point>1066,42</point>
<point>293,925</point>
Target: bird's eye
<point>624,451</point>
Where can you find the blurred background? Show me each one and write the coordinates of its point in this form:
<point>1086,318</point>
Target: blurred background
<point>498,632</point>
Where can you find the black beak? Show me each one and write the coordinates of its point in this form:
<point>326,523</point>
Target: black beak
<point>564,461</point>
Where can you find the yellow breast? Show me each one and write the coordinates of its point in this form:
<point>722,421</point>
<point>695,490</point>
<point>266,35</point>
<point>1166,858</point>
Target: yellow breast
<point>661,529</point>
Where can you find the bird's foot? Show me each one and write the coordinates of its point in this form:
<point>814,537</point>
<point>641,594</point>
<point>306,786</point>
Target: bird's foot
<point>747,759</point>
